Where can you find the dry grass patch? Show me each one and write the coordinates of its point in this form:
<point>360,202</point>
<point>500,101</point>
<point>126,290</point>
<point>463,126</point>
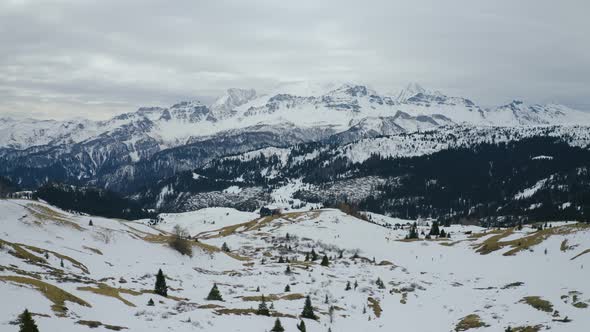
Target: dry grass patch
<point>106,290</point>
<point>494,243</point>
<point>274,297</point>
<point>94,324</point>
<point>538,303</point>
<point>468,322</point>
<point>580,254</point>
<point>248,312</point>
<point>53,293</point>
<point>26,253</point>
<point>375,305</point>
<point>43,213</point>
<point>535,328</point>
<point>94,250</point>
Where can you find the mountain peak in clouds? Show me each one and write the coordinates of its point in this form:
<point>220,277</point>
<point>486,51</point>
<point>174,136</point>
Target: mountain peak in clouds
<point>411,90</point>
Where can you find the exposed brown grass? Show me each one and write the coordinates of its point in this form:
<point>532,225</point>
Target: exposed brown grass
<point>375,305</point>
<point>468,322</point>
<point>538,303</point>
<point>94,324</point>
<point>494,243</point>
<point>535,328</point>
<point>53,293</point>
<point>106,290</point>
<point>275,297</point>
<point>580,254</point>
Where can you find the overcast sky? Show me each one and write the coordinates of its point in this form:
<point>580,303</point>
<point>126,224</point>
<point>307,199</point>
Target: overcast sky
<point>96,58</point>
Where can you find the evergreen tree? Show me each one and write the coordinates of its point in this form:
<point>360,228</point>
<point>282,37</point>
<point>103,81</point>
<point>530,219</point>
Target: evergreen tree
<point>341,254</point>
<point>281,260</point>
<point>326,301</point>
<point>308,309</point>
<point>214,294</point>
<point>151,303</point>
<point>277,327</point>
<point>46,255</point>
<point>307,257</point>
<point>347,286</point>
<point>380,283</point>
<point>225,247</point>
<point>288,269</point>
<point>26,322</point>
<point>262,308</point>
<point>161,288</point>
<point>443,234</point>
<point>301,326</point>
<point>287,289</point>
<point>90,223</point>
<point>413,233</point>
<point>258,288</point>
<point>61,263</point>
<point>314,255</point>
<point>434,230</point>
<point>356,284</point>
<point>325,261</point>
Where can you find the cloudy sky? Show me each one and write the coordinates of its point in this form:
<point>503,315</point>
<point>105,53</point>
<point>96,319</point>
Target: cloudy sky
<point>93,59</point>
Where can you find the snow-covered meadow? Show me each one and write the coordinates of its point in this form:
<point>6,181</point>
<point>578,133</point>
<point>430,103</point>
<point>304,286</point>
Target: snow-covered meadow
<point>492,277</point>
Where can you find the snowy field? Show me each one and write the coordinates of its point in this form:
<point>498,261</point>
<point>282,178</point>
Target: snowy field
<point>478,279</point>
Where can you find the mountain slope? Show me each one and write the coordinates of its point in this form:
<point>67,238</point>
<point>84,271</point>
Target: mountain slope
<point>102,283</point>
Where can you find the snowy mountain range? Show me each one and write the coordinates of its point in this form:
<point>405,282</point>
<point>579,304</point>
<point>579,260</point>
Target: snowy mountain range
<point>132,149</point>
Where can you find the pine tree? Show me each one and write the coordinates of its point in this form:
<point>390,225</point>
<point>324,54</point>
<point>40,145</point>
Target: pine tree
<point>151,303</point>
<point>288,269</point>
<point>301,326</point>
<point>258,288</point>
<point>161,288</point>
<point>341,254</point>
<point>277,327</point>
<point>325,261</point>
<point>326,301</point>
<point>380,283</point>
<point>90,223</point>
<point>314,255</point>
<point>356,284</point>
<point>61,263</point>
<point>225,247</point>
<point>434,230</point>
<point>308,309</point>
<point>287,289</point>
<point>348,286</point>
<point>443,234</point>
<point>26,322</point>
<point>214,294</point>
<point>46,255</point>
<point>281,260</point>
<point>262,308</point>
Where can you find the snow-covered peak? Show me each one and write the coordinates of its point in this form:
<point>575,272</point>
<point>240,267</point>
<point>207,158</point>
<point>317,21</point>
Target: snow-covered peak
<point>225,105</point>
<point>411,90</point>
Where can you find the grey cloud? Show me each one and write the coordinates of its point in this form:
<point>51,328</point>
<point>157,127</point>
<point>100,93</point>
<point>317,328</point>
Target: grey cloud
<point>97,58</point>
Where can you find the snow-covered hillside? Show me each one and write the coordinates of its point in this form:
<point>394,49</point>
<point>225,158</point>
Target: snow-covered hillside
<point>73,275</point>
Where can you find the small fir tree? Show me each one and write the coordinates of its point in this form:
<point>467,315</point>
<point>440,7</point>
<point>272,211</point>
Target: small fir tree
<point>356,284</point>
<point>262,307</point>
<point>214,294</point>
<point>151,303</point>
<point>225,247</point>
<point>90,223</point>
<point>288,269</point>
<point>301,326</point>
<point>26,322</point>
<point>380,283</point>
<point>287,289</point>
<point>308,309</point>
<point>325,261</point>
<point>314,255</point>
<point>348,286</point>
<point>277,327</point>
<point>160,287</point>
<point>61,263</point>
